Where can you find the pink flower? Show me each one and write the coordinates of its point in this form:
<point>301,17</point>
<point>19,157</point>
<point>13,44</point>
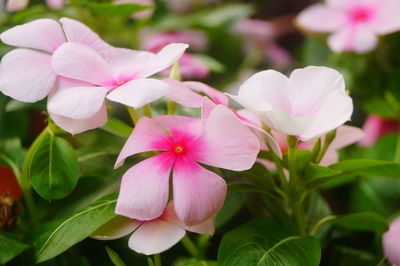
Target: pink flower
<point>120,74</point>
<point>26,73</point>
<point>309,104</point>
<point>189,66</point>
<point>391,242</point>
<point>218,140</point>
<point>16,5</point>
<point>355,24</point>
<point>375,127</point>
<point>55,4</point>
<point>154,236</point>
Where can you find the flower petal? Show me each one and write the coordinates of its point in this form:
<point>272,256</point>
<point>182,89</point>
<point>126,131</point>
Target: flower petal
<point>76,126</point>
<point>217,96</point>
<point>391,242</point>
<point>144,188</point>
<point>181,94</point>
<point>359,39</point>
<point>345,136</point>
<point>198,192</point>
<point>16,5</point>
<point>155,237</point>
<point>78,61</point>
<point>26,75</point>
<point>116,228</point>
<point>321,18</point>
<point>139,92</point>
<point>310,86</point>
<point>75,31</point>
<point>42,34</point>
<point>227,142</point>
<point>387,19</point>
<point>77,102</point>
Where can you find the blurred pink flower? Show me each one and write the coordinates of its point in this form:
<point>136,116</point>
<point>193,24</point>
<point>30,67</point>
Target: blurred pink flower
<point>17,5</point>
<point>26,73</point>
<point>262,34</point>
<point>309,104</point>
<point>375,127</point>
<point>141,14</point>
<point>189,66</point>
<point>391,242</point>
<point>55,4</point>
<point>354,24</point>
<point>218,140</point>
<point>118,74</point>
<point>154,236</point>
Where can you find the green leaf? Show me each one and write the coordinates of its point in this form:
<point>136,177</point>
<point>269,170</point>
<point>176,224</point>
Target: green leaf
<point>52,166</point>
<point>75,229</point>
<point>10,248</point>
<point>114,257</point>
<point>315,171</point>
<point>117,127</point>
<point>109,9</point>
<point>245,187</point>
<point>368,167</point>
<point>195,262</point>
<point>233,203</point>
<point>210,62</point>
<point>263,242</point>
<point>363,221</point>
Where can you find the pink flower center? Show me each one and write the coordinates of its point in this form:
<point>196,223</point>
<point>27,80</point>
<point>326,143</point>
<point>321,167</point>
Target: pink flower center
<point>178,149</point>
<point>361,14</point>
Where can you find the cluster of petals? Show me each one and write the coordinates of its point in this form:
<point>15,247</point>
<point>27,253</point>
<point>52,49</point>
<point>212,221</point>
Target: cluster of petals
<point>218,139</point>
<point>391,242</point>
<point>189,66</point>
<point>153,236</point>
<point>17,5</point>
<point>376,127</point>
<point>355,24</point>
<point>68,62</point>
<point>308,104</point>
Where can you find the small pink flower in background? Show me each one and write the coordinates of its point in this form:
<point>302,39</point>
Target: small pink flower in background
<point>219,140</point>
<point>391,242</point>
<point>189,66</point>
<point>118,74</point>
<point>141,14</point>
<point>154,236</point>
<point>308,104</point>
<point>16,5</point>
<point>376,127</point>
<point>26,73</point>
<point>355,24</point>
<point>263,34</point>
<point>55,4</point>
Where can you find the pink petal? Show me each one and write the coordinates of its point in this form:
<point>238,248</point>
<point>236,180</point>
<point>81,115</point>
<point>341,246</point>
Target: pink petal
<point>16,5</point>
<point>139,92</point>
<point>42,34</point>
<point>331,157</point>
<point>155,237</point>
<point>148,135</point>
<point>192,67</point>
<point>77,102</point>
<point>26,75</point>
<point>345,136</point>
<point>144,188</point>
<point>387,19</point>
<point>76,126</point>
<point>163,59</point>
<point>310,86</point>
<point>182,95</point>
<point>359,39</point>
<point>116,228</point>
<point>321,18</point>
<point>75,31</point>
<point>391,242</point>
<point>229,144</point>
<point>78,61</point>
<point>375,127</point>
<point>55,4</point>
<point>198,192</point>
<point>217,96</point>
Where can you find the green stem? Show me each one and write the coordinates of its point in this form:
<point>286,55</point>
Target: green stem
<point>292,143</point>
<point>171,107</point>
<point>157,260</point>
<point>397,154</point>
<point>321,222</point>
<point>191,248</point>
<point>133,114</point>
<point>327,142</point>
<point>147,111</point>
<point>279,166</point>
<point>299,217</point>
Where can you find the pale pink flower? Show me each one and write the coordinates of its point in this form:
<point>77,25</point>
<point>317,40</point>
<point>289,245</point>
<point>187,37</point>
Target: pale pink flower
<point>55,4</point>
<point>391,242</point>
<point>262,35</point>
<point>16,5</point>
<point>25,73</point>
<point>308,104</point>
<point>118,74</point>
<point>376,127</point>
<point>218,140</point>
<point>355,24</point>
<point>189,66</point>
<point>154,236</point>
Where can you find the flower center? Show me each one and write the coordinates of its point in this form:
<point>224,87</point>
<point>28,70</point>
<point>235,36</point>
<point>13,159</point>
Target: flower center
<point>120,83</point>
<point>178,149</point>
<point>361,14</point>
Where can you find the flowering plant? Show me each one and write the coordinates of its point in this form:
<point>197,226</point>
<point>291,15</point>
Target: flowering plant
<point>110,154</point>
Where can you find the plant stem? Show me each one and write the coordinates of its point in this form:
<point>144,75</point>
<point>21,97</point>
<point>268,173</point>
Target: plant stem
<point>327,142</point>
<point>292,143</point>
<point>133,114</point>
<point>171,107</point>
<point>279,166</point>
<point>157,260</point>
<point>190,247</point>
<point>147,111</point>
<point>321,222</point>
<point>299,218</point>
